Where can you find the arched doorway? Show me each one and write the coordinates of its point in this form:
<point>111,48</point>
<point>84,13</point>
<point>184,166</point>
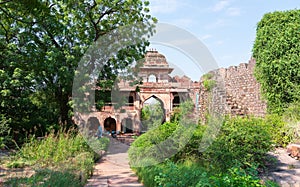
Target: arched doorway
<point>92,125</point>
<point>110,124</point>
<point>152,113</point>
<point>176,100</point>
<point>127,125</point>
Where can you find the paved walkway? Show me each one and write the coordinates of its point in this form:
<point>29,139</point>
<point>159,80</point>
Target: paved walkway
<point>285,170</point>
<point>113,169</point>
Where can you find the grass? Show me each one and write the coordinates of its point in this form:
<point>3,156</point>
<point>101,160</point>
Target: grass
<point>58,159</point>
<point>46,178</point>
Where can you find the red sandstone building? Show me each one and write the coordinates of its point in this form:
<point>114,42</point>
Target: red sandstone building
<point>157,83</point>
<point>236,92</point>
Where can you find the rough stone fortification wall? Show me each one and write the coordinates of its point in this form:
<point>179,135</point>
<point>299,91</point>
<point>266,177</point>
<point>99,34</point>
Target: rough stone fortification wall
<point>236,92</point>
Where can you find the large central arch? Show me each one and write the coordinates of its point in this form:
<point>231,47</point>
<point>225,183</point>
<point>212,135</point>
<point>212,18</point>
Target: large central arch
<point>157,112</point>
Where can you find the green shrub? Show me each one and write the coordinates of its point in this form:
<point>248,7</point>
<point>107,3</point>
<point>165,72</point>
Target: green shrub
<point>62,151</point>
<point>191,148</point>
<point>181,174</point>
<point>231,160</point>
<point>236,176</point>
<point>54,148</point>
<point>286,128</point>
<point>145,149</point>
<point>183,112</point>
<point>167,140</point>
<point>208,82</point>
<point>191,173</point>
<point>147,174</point>
<point>165,174</point>
<point>83,163</point>
<point>292,113</point>
<point>244,140</point>
<point>277,128</point>
<point>207,76</point>
<point>5,137</point>
<point>292,117</point>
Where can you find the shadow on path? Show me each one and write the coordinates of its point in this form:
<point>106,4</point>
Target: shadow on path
<point>285,170</point>
<point>113,169</point>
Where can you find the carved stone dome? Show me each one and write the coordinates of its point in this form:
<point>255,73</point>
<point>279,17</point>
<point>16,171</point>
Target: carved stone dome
<point>155,59</point>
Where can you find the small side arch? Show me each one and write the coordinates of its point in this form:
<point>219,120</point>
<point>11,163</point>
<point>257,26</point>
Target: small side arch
<point>127,125</point>
<point>110,124</point>
<point>92,124</point>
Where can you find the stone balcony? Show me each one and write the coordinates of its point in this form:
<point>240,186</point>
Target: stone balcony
<point>109,107</point>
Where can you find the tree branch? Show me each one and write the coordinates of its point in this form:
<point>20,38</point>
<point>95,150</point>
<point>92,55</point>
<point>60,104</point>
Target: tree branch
<point>6,33</point>
<point>15,18</point>
<point>95,27</point>
<point>109,11</point>
<point>51,37</point>
<point>3,2</point>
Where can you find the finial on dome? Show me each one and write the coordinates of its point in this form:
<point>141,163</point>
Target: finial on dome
<point>152,50</point>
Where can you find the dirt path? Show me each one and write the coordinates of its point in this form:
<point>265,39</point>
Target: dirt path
<point>113,169</point>
<point>285,170</point>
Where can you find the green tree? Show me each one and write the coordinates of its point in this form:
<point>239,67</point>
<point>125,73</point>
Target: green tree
<point>152,115</point>
<point>276,50</point>
<point>41,44</point>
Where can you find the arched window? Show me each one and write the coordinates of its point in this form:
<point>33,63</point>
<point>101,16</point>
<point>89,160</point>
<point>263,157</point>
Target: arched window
<point>130,100</point>
<point>176,100</point>
<point>152,78</point>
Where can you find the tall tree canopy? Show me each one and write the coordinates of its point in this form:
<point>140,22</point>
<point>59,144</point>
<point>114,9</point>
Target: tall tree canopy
<point>41,44</point>
<point>277,53</point>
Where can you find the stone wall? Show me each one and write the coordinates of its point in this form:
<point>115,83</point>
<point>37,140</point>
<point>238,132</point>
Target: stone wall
<point>236,92</point>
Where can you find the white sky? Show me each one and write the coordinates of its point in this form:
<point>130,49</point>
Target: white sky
<point>226,27</point>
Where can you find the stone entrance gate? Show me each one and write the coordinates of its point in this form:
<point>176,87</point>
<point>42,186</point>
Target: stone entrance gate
<point>158,84</point>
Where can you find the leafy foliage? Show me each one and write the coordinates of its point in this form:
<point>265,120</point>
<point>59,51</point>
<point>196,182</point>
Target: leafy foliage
<point>231,160</point>
<point>276,50</point>
<point>191,173</point>
<point>183,112</point>
<point>237,176</point>
<point>292,112</point>
<point>152,116</point>
<point>243,140</point>
<point>208,82</point>
<point>4,132</point>
<point>164,141</point>
<point>183,174</point>
<point>147,147</point>
<point>291,116</point>
<point>62,151</point>
<point>41,45</point>
<point>277,128</point>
